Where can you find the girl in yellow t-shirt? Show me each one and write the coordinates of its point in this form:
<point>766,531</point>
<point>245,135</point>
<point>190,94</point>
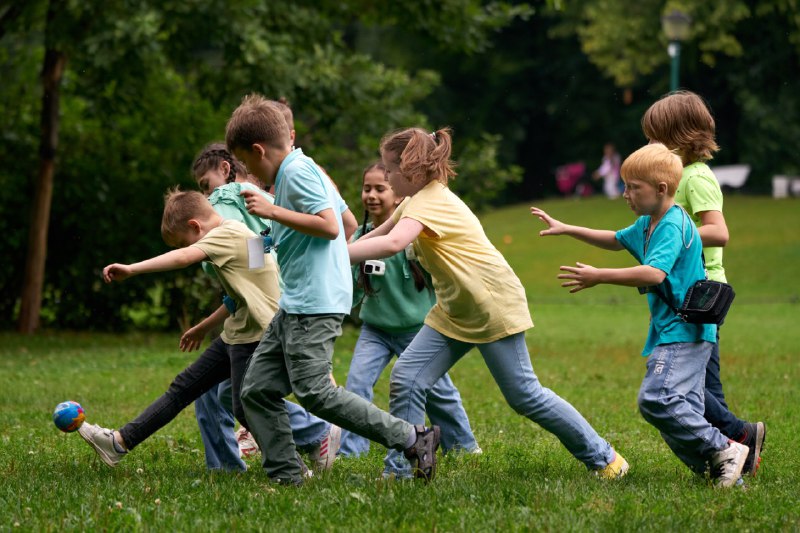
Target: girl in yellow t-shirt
<point>479,300</point>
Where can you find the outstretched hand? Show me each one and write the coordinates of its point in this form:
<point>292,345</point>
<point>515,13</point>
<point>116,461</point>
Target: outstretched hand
<point>580,277</point>
<point>117,272</point>
<point>192,338</point>
<point>554,227</point>
<point>257,204</point>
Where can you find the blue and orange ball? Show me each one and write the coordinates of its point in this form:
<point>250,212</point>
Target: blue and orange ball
<point>68,416</point>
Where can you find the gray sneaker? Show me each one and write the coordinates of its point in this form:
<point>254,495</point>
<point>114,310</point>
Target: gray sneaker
<point>102,440</point>
<point>422,454</point>
<point>727,464</point>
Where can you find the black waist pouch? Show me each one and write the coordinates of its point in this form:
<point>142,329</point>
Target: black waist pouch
<point>706,302</point>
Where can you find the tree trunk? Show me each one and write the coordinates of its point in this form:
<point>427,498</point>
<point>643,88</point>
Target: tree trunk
<point>31,298</point>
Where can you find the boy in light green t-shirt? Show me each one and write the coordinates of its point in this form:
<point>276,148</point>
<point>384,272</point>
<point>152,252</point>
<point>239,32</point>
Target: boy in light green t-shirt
<point>682,122</point>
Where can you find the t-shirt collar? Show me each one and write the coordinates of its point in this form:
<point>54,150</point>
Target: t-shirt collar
<point>294,154</point>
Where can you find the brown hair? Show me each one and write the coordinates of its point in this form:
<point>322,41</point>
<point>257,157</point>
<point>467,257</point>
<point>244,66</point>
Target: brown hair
<point>286,109</point>
<point>179,207</point>
<point>653,163</point>
<point>256,121</point>
<point>682,121</point>
<point>422,156</point>
<point>212,156</point>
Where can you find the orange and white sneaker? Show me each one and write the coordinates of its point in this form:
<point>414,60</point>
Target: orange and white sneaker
<point>247,444</point>
<point>615,469</point>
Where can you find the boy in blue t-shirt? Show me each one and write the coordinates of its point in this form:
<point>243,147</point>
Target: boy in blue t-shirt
<point>667,245</point>
<point>295,354</point>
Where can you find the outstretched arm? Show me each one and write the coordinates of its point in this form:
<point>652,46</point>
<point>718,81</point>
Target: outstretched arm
<point>174,260</point>
<point>402,234</point>
<point>605,239</point>
<point>584,276</point>
<point>193,337</point>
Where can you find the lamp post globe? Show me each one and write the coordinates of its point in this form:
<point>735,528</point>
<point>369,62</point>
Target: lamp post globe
<point>676,25</point>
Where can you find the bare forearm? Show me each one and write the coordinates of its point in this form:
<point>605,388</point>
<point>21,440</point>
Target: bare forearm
<point>217,318</point>
<point>373,248</point>
<point>638,276</point>
<point>605,239</point>
<point>314,225</point>
<point>172,260</point>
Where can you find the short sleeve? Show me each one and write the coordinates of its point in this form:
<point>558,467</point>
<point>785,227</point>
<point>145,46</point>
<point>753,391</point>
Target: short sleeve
<point>306,190</point>
<point>702,193</point>
<point>631,238</point>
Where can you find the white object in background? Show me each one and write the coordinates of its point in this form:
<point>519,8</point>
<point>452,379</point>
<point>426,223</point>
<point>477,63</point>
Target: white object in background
<point>780,186</point>
<point>732,175</point>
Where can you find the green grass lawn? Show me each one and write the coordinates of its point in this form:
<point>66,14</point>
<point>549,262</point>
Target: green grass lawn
<point>585,346</point>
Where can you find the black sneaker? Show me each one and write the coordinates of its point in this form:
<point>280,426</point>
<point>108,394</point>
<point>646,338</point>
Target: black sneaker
<point>422,455</point>
<point>754,436</point>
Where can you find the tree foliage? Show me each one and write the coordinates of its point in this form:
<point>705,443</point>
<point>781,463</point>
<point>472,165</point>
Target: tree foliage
<point>149,83</point>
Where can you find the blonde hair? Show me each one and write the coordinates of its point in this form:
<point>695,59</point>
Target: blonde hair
<point>421,156</point>
<point>653,164</point>
<point>257,120</point>
<point>682,121</point>
<point>179,207</point>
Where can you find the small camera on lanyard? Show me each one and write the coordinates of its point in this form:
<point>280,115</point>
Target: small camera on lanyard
<point>374,267</point>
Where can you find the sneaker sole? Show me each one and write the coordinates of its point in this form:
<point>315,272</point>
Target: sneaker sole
<point>761,437</point>
<point>100,452</point>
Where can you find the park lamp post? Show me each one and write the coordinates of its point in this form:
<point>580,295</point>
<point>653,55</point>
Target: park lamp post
<point>676,26</point>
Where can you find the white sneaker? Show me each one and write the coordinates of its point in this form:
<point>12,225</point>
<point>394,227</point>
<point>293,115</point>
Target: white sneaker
<point>727,464</point>
<point>324,455</point>
<point>102,440</point>
<point>247,444</point>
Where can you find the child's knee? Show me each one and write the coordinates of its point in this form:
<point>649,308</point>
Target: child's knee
<point>649,405</point>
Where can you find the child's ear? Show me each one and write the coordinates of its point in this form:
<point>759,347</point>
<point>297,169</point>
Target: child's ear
<point>259,150</point>
<point>225,168</point>
<point>194,225</point>
<point>662,188</point>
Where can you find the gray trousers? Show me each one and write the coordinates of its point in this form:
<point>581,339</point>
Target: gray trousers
<point>295,356</point>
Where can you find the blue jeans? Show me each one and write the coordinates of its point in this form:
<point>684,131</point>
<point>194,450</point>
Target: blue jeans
<point>216,424</point>
<point>374,350</point>
<point>431,354</point>
<point>716,409</point>
<point>671,398</point>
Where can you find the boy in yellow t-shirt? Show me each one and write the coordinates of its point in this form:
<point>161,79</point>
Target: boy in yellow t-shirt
<point>479,300</point>
<point>200,234</point>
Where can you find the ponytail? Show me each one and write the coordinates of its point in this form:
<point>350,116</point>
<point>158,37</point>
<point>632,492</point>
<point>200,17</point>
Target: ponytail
<point>422,156</point>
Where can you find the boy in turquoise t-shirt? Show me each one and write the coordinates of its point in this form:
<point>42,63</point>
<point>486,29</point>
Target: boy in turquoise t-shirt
<point>666,243</point>
<point>295,353</point>
<point>683,123</point>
